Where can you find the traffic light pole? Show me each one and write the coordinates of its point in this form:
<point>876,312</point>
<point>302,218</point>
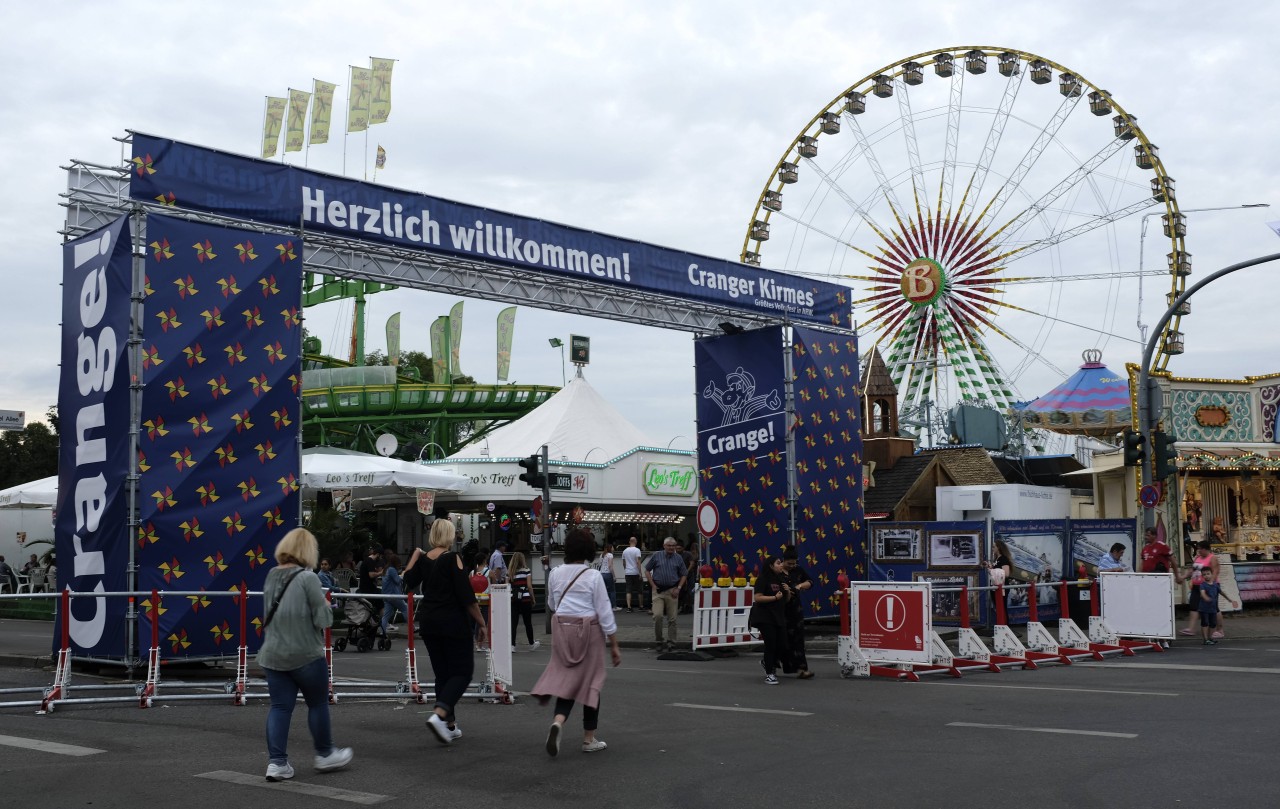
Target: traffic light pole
<point>546,503</point>
<point>1144,374</point>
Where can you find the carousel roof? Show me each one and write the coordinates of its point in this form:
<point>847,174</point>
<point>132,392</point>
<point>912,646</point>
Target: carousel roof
<point>1094,401</point>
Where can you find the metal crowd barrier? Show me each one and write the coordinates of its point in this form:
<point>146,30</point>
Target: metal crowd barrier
<point>495,687</point>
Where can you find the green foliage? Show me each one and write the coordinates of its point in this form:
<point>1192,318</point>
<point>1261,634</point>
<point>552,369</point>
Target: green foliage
<point>408,359</point>
<point>333,533</point>
<point>28,454</point>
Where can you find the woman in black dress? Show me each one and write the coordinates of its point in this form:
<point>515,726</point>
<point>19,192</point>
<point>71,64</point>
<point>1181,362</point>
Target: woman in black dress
<point>447,602</point>
<point>768,614</point>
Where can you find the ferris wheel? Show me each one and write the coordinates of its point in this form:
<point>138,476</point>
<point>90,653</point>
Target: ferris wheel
<point>970,196</point>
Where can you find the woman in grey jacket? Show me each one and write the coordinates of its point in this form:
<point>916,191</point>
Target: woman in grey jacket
<point>295,615</point>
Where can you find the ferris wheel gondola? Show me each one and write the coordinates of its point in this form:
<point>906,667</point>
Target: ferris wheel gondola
<point>974,215</point>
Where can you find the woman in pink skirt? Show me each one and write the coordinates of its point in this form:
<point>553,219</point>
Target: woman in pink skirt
<point>582,620</point>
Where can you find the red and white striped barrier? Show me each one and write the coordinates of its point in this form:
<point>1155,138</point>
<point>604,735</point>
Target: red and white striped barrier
<point>720,617</point>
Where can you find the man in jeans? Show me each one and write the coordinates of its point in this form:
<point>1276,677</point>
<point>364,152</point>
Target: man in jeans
<point>666,572</point>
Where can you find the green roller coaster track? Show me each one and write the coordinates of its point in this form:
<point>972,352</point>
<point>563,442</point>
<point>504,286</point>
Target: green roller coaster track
<point>350,406</point>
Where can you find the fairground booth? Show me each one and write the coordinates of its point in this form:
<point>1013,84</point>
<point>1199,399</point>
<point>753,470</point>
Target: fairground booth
<point>1228,472</point>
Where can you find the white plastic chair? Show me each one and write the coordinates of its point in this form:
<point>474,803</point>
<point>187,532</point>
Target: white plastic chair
<point>24,583</point>
<point>37,583</point>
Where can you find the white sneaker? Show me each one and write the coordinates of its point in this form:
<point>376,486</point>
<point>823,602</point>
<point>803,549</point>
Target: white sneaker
<point>594,746</point>
<point>336,760</point>
<point>535,646</point>
<point>279,772</point>
<point>456,732</point>
<point>770,679</point>
<point>553,739</point>
<point>440,728</point>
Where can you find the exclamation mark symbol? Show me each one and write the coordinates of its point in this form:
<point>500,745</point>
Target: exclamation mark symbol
<point>888,612</point>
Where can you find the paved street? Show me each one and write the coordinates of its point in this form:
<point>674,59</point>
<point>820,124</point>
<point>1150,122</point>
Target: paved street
<point>1119,733</point>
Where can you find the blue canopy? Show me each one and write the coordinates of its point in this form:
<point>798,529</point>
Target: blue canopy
<point>1094,401</point>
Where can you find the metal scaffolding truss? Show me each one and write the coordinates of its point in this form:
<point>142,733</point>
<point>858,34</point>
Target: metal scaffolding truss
<point>98,194</point>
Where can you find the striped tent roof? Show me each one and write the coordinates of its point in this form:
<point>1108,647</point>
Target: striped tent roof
<point>1094,401</point>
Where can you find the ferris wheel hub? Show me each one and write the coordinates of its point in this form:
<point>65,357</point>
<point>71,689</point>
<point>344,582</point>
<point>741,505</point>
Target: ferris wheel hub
<point>923,280</point>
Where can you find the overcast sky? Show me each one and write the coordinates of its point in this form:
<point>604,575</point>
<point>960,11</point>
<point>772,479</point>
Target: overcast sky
<point>652,120</point>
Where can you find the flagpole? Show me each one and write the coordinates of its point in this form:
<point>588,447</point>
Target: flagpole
<point>347,129</point>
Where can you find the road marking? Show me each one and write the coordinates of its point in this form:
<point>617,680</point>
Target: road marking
<point>1132,664</point>
<point>1067,731</point>
<point>297,787</point>
<point>1051,688</point>
<point>737,710</point>
<point>49,747</point>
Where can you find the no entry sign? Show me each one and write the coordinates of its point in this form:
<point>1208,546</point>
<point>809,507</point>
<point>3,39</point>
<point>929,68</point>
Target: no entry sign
<point>893,622</point>
<point>708,519</point>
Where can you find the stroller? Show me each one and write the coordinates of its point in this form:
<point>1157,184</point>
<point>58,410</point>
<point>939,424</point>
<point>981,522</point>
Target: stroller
<point>364,628</point>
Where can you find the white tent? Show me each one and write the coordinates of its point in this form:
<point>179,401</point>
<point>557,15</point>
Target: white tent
<point>576,424</point>
<point>328,468</point>
<point>41,493</point>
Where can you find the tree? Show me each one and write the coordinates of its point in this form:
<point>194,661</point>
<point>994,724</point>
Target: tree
<point>28,454</point>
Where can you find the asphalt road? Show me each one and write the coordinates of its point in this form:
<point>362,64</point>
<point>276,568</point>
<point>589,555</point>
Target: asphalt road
<point>1194,726</point>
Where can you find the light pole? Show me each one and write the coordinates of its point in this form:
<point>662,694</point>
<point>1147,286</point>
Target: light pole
<point>1144,416</point>
<point>1142,243</point>
<point>556,342</point>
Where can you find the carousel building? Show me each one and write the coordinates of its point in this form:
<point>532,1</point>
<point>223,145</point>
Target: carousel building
<point>1228,471</point>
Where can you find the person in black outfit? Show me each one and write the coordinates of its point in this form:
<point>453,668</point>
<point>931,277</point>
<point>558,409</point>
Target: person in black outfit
<point>447,601</point>
<point>797,663</point>
<point>768,614</point>
<point>369,569</point>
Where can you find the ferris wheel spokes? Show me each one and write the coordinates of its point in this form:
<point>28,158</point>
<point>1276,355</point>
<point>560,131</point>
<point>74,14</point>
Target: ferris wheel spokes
<point>946,185</point>
<point>1043,139</point>
<point>995,134</point>
<point>909,135</point>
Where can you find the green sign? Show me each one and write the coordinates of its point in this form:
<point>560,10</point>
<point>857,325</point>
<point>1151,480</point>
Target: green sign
<point>669,480</point>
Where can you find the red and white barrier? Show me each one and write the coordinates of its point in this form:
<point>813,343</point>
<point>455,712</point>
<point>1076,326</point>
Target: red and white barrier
<point>720,617</point>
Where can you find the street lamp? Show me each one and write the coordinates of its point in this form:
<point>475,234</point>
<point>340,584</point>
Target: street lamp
<point>428,445</point>
<point>556,342</point>
<point>1142,243</point>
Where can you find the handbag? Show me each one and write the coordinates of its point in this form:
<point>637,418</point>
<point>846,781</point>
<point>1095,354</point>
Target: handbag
<point>550,612</point>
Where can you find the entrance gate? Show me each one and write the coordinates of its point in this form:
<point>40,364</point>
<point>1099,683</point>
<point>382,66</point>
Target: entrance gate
<point>347,229</point>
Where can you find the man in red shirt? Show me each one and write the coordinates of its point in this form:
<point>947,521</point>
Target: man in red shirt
<point>1156,556</point>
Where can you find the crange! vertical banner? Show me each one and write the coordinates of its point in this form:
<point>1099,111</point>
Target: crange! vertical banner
<point>219,460</point>
<point>91,530</point>
<point>742,450</point>
<point>831,535</point>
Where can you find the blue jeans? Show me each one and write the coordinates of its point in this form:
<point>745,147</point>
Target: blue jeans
<point>283,687</point>
<point>611,588</point>
<point>389,608</point>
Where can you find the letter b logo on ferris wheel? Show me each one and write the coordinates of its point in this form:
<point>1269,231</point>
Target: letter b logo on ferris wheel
<point>922,281</point>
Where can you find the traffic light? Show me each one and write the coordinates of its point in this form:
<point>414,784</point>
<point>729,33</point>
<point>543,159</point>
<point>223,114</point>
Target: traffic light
<point>531,475</point>
<point>1135,447</point>
<point>1165,457</point>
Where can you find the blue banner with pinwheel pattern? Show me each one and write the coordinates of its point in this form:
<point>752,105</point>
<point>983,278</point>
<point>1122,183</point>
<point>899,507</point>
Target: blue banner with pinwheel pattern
<point>742,448</point>
<point>831,535</point>
<point>218,451</point>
